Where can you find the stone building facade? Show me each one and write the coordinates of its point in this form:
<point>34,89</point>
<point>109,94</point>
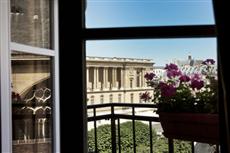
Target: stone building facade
<point>116,79</point>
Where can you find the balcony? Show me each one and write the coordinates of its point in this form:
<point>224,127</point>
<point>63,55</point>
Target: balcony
<point>113,113</point>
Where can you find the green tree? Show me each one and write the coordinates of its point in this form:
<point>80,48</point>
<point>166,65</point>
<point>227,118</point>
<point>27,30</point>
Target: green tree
<point>126,136</point>
<point>182,146</point>
<point>103,139</point>
<point>142,136</point>
<point>160,144</point>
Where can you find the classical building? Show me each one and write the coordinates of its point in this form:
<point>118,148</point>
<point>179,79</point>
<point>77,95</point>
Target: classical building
<point>116,79</point>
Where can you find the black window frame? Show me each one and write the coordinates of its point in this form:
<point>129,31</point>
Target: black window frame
<point>78,101</point>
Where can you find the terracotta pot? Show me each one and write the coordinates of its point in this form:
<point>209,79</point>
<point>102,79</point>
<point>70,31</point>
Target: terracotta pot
<point>191,127</point>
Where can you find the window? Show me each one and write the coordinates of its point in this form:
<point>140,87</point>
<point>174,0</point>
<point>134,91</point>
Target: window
<point>92,100</point>
<point>139,32</point>
<point>30,64</point>
<point>110,98</point>
<point>102,99</point>
<point>32,86</point>
<point>140,97</point>
<point>131,97</point>
<point>131,83</point>
<point>119,98</point>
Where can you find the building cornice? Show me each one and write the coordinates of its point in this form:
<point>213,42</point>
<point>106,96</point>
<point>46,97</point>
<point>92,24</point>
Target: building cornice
<point>118,60</point>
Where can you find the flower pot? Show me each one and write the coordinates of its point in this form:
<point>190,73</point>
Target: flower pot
<point>191,126</point>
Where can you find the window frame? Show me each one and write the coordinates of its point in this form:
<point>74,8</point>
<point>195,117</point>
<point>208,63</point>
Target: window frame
<point>160,32</point>
<point>6,47</point>
<point>148,32</point>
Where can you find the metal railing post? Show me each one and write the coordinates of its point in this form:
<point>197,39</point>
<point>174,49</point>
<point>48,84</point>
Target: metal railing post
<point>119,135</point>
<point>193,147</point>
<point>151,137</point>
<point>113,130</point>
<point>170,145</point>
<point>95,130</point>
<point>134,131</point>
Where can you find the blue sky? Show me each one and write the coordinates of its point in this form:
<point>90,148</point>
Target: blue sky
<point>161,51</point>
<point>126,13</point>
<point>112,13</point>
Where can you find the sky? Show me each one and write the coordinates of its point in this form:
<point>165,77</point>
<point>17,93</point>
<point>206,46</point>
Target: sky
<point>131,13</point>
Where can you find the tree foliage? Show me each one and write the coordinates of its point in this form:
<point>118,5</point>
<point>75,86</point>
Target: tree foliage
<point>160,144</point>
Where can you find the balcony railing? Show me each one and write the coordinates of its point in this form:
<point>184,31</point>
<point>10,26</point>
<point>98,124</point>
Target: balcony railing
<point>113,116</point>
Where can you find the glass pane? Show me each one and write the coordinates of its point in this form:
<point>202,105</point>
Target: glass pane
<point>132,13</point>
<point>31,103</point>
<point>31,22</point>
<point>116,73</point>
<point>115,67</point>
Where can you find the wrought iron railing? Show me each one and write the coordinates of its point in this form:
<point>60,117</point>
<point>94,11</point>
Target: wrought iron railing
<point>113,117</point>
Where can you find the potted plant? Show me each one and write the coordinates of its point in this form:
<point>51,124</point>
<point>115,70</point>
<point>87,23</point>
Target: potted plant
<point>186,104</point>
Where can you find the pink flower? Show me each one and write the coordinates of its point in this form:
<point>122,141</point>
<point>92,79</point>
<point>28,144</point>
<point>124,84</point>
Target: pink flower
<point>167,90</point>
<point>184,78</point>
<point>173,73</point>
<point>198,84</point>
<point>171,66</point>
<point>176,88</point>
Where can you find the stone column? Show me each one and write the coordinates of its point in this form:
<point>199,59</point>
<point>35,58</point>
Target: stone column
<point>126,78</point>
<point>95,78</point>
<point>122,78</point>
<point>105,78</point>
<point>114,78</point>
<point>43,128</point>
<point>143,78</point>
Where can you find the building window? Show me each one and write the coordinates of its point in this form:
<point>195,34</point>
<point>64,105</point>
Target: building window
<point>102,99</point>
<point>92,100</point>
<point>131,83</point>
<point>110,98</point>
<point>119,98</point>
<point>140,97</point>
<point>131,97</point>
